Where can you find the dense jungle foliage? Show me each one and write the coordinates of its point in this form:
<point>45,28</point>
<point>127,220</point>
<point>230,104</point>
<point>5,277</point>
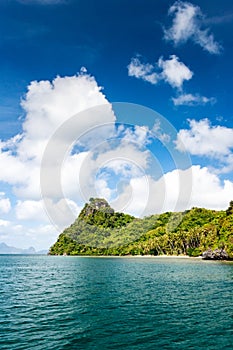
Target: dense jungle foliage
<point>99,230</point>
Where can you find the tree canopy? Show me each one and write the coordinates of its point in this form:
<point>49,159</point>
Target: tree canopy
<point>99,230</point>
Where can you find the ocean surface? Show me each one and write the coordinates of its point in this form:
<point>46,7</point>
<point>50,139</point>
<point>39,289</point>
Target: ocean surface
<point>68,303</point>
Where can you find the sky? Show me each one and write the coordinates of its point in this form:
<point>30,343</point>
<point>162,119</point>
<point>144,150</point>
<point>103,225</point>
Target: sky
<point>126,100</point>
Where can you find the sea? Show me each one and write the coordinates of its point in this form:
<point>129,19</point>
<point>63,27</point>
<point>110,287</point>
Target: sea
<point>56,302</point>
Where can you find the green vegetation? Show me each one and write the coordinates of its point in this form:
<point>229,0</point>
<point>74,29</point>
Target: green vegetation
<point>100,231</point>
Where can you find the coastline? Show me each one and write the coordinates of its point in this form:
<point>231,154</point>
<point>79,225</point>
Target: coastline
<point>156,257</point>
<point>136,256</point>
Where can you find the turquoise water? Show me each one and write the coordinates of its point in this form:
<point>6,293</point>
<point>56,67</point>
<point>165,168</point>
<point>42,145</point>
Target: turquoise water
<point>115,303</point>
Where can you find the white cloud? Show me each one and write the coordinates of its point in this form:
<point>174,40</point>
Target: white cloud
<point>61,212</point>
<point>48,106</point>
<point>40,237</point>
<point>159,133</point>
<point>174,72</point>
<point>144,71</point>
<point>5,205</point>
<point>34,211</point>
<point>135,197</point>
<point>192,100</point>
<point>21,236</point>
<point>176,190</point>
<point>188,24</point>
<point>13,170</point>
<point>125,160</point>
<point>4,223</point>
<point>103,190</point>
<point>206,140</point>
<point>124,156</point>
<point>30,210</point>
<point>70,171</point>
<point>105,171</point>
<point>208,191</point>
<point>102,171</point>
<point>139,135</point>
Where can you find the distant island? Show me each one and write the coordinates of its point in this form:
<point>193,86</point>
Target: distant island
<point>99,230</point>
<point>6,249</point>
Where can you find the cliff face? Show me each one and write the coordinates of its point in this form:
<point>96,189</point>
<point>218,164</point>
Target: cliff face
<point>95,205</point>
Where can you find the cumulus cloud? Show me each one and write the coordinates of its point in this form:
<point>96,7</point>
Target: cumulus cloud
<point>204,139</point>
<point>5,203</point>
<point>56,114</point>
<point>192,100</point>
<point>144,71</point>
<point>188,24</point>
<point>34,211</point>
<point>209,191</point>
<point>172,71</point>
<point>139,135</point>
<point>4,223</point>
<point>204,189</point>
<point>30,210</point>
<point>48,106</point>
<point>124,161</point>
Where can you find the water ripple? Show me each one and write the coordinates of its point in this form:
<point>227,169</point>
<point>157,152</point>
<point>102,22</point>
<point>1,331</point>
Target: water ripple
<point>93,303</point>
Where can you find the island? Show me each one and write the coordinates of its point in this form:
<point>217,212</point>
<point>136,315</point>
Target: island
<point>100,231</point>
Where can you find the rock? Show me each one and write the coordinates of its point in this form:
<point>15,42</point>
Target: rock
<point>94,205</point>
<point>217,254</point>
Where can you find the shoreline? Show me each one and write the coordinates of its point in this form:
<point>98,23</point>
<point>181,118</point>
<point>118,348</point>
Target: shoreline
<point>180,257</point>
<point>136,256</point>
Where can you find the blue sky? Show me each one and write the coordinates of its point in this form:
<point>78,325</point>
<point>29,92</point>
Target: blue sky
<point>173,58</point>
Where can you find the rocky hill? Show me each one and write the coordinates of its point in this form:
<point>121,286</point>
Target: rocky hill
<point>99,230</point>
<point>6,249</point>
